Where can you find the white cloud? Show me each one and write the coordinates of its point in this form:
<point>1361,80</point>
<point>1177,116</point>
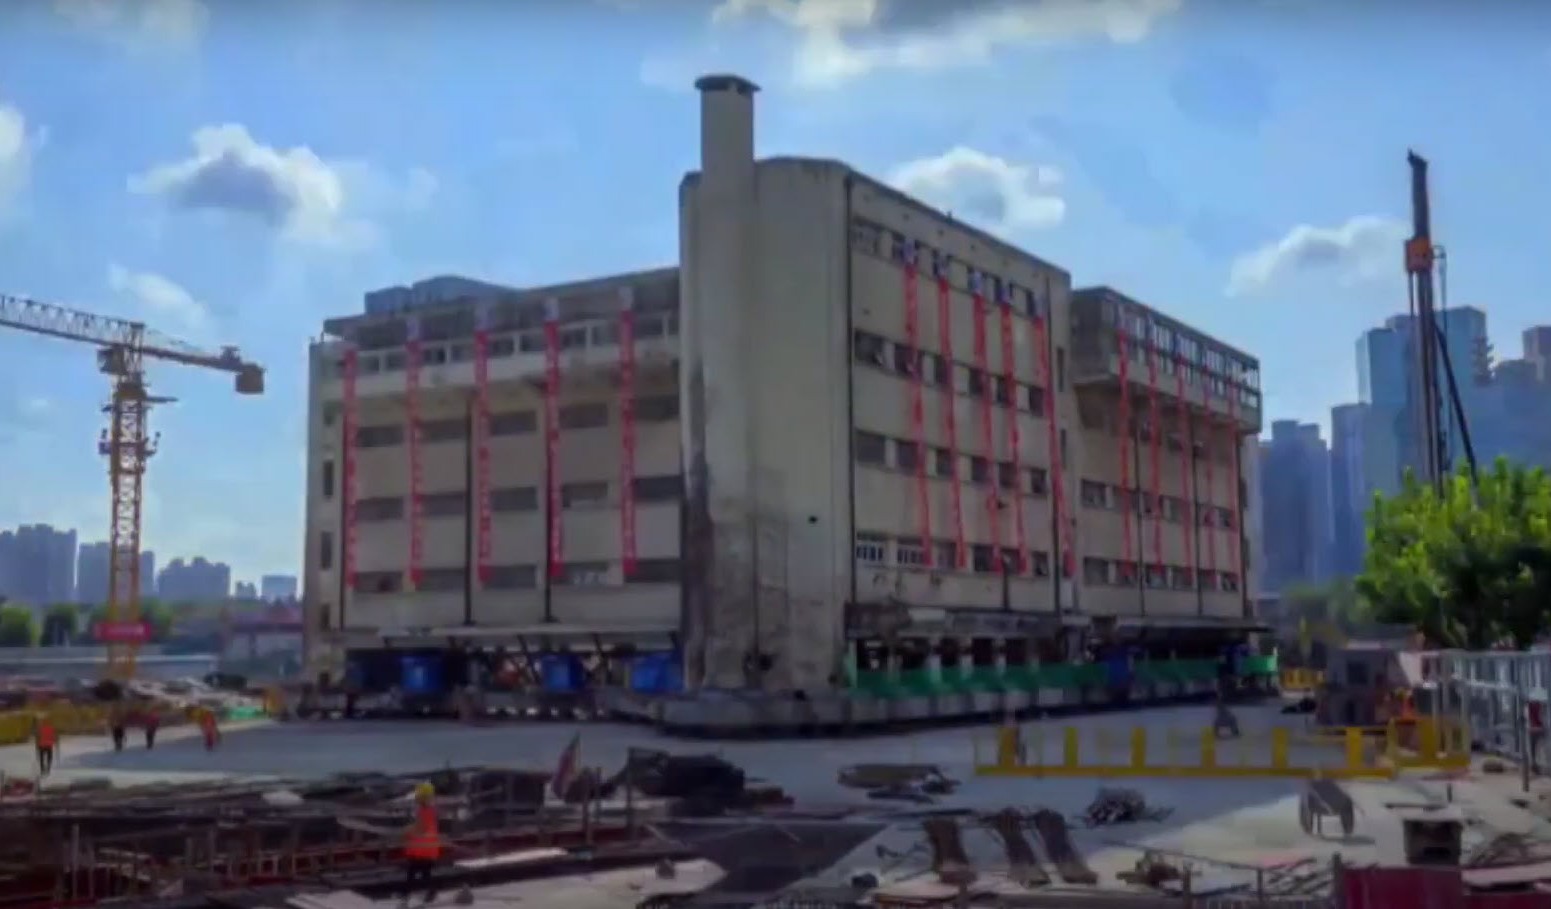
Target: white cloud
<point>160,297</point>
<point>305,198</point>
<point>974,186</point>
<point>1363,248</point>
<point>140,24</point>
<point>844,39</point>
<point>16,151</point>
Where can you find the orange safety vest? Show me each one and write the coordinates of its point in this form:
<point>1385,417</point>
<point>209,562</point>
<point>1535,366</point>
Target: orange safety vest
<point>47,737</point>
<point>423,841</point>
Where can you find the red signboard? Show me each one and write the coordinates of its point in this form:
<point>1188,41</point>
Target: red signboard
<point>122,632</point>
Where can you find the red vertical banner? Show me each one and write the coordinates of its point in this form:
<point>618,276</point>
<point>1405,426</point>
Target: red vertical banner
<point>1235,522</point>
<point>1014,435</point>
<point>940,265</point>
<point>627,547</point>
<point>1154,449</point>
<point>349,426</point>
<point>479,431</point>
<point>1053,440</point>
<point>1187,493</point>
<point>1206,512</point>
<point>412,364</point>
<point>1127,494</point>
<point>555,529</point>
<point>977,296</point>
<point>908,253</point>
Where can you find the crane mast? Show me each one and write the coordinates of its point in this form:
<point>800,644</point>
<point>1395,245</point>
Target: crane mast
<point>126,443</point>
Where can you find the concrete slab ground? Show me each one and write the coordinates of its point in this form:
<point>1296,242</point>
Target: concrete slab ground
<point>1243,821</point>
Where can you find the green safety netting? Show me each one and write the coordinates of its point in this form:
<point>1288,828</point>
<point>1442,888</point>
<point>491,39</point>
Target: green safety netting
<point>1057,676</point>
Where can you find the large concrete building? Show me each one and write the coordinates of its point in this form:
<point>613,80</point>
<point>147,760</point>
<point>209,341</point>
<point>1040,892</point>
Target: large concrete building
<point>844,414</point>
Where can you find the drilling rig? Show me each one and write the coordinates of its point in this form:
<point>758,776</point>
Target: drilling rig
<point>1434,371</point>
<point>123,347</point>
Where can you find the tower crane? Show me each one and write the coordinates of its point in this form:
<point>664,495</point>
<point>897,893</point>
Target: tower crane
<point>123,347</point>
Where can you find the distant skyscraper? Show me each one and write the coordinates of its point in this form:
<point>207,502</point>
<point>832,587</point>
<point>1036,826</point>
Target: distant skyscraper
<point>37,564</point>
<point>277,587</point>
<point>92,567</point>
<point>1359,457</point>
<point>245,590</point>
<point>197,581</point>
<point>1296,506</point>
<point>1537,350</point>
<point>147,574</point>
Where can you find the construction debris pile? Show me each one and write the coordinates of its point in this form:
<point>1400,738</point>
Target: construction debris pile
<point>918,783</point>
<point>1122,806</point>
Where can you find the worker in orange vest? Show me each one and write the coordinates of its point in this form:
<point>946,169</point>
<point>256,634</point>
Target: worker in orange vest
<point>47,738</point>
<point>422,845</point>
<point>208,727</point>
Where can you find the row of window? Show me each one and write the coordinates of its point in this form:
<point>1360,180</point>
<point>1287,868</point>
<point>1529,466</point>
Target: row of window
<point>1121,573</point>
<point>934,370</point>
<point>877,450</point>
<point>1149,505</point>
<point>873,239</point>
<point>910,552</point>
<point>518,577</point>
<point>588,415</point>
<point>571,337</point>
<point>582,494</point>
<point>1200,357</point>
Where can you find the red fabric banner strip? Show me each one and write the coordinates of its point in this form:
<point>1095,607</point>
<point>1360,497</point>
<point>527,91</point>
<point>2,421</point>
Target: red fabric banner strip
<point>1187,492</point>
<point>1127,494</point>
<point>912,277</point>
<point>1155,453</point>
<point>1053,441</point>
<point>949,408</point>
<point>1014,436</point>
<point>987,413</point>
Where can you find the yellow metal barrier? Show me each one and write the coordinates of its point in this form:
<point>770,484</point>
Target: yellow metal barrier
<point>68,719</point>
<point>1427,744</point>
<point>1021,753</point>
<point>1301,679</point>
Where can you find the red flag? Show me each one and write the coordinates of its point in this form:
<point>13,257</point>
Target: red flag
<point>566,767</point>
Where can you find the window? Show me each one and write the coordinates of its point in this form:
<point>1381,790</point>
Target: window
<point>1095,571</point>
<point>1181,578</point>
<point>324,610</point>
<point>393,361</point>
<point>516,498</point>
<point>947,555</point>
<point>325,550</point>
<point>385,508</point>
<point>657,408</point>
<point>1007,475</point>
<point>907,360</point>
<point>1208,515</point>
<point>977,383</point>
<point>1230,581</point>
<point>1094,495</point>
<point>1003,391</point>
<point>906,455</point>
<point>943,463</point>
<point>378,582</point>
<point>871,448</point>
<point>936,368</point>
<point>867,348</point>
<point>326,478</point>
<point>444,504</point>
<point>668,488</point>
<point>433,431</point>
<point>584,416</point>
<point>979,470</point>
<point>574,495</point>
<point>1147,504</point>
<point>1036,400</point>
<point>871,548</point>
<point>655,571</point>
<point>379,436</point>
<point>909,552</point>
<point>513,422</point>
<point>442,580</point>
<point>1060,369</point>
<point>1010,561</point>
<point>1125,573</point>
<point>982,559</point>
<point>1157,577</point>
<point>584,574</point>
<point>1041,563</point>
<point>511,577</point>
<point>1039,481</point>
<point>503,346</point>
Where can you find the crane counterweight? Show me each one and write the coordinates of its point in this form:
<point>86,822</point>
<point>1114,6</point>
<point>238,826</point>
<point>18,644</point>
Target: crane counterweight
<point>126,443</point>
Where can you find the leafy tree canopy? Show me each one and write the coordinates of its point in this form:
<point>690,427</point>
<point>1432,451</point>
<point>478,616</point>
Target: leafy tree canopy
<point>17,628</point>
<point>1471,567</point>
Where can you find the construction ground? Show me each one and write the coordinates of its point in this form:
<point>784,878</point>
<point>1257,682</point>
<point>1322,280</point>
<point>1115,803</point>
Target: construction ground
<point>843,831</point>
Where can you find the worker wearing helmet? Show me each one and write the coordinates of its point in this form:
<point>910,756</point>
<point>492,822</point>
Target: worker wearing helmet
<point>422,845</point>
<point>47,739</point>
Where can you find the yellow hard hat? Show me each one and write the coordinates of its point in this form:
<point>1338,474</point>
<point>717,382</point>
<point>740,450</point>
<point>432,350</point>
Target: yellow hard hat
<point>425,791</point>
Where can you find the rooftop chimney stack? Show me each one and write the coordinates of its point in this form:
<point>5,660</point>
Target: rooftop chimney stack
<point>726,130</point>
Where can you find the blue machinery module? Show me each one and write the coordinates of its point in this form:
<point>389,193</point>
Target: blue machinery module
<point>434,674</point>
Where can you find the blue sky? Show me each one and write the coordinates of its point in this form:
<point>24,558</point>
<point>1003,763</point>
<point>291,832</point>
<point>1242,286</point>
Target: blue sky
<point>233,172</point>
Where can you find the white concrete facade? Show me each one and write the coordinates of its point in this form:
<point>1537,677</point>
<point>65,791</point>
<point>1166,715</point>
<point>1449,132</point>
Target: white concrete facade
<point>795,439</point>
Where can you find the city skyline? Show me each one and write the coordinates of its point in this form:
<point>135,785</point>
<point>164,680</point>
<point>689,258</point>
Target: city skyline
<point>41,565</point>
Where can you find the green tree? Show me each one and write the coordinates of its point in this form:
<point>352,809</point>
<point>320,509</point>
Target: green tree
<point>1469,567</point>
<point>17,628</point>
<point>61,623</point>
